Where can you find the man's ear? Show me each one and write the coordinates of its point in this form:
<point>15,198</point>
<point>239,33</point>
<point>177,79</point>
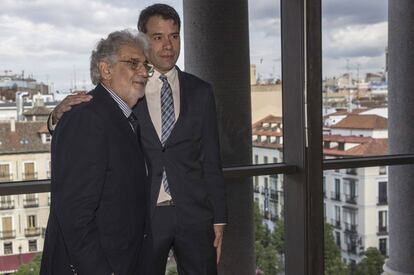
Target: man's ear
<point>105,70</point>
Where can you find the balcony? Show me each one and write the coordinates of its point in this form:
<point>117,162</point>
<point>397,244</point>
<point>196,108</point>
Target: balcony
<point>29,176</point>
<point>7,234</point>
<point>32,232</point>
<point>351,198</point>
<point>6,177</point>
<point>6,205</point>
<point>350,228</point>
<point>382,230</point>
<point>336,196</point>
<point>351,171</point>
<point>382,201</point>
<point>336,223</point>
<point>256,189</point>
<point>32,202</point>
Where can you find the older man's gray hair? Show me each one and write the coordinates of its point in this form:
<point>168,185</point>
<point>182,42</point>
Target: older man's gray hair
<point>107,49</point>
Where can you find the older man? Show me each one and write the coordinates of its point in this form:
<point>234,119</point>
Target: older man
<point>99,193</point>
<point>179,135</point>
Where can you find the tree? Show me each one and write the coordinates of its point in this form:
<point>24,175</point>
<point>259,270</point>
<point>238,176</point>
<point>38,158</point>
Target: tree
<point>267,258</point>
<point>333,262</point>
<point>30,268</point>
<point>371,264</point>
<point>278,237</point>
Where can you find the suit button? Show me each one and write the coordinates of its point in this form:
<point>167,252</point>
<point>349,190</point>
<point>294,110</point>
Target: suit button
<point>145,235</point>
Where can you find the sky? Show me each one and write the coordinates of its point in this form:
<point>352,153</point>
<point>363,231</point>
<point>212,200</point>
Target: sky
<point>52,39</point>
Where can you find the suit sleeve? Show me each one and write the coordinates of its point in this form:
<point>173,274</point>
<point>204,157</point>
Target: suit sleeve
<point>79,167</point>
<point>213,173</point>
<point>50,126</point>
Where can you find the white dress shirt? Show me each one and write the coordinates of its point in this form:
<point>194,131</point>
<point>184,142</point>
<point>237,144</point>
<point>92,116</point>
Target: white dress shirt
<point>153,97</point>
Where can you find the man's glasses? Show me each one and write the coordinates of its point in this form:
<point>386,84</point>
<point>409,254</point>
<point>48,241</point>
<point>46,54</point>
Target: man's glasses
<point>135,64</point>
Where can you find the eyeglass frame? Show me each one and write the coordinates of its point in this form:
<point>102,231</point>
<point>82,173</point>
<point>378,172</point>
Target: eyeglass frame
<point>135,63</point>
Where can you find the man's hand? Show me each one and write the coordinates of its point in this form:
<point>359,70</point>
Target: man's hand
<point>67,104</point>
<point>218,231</point>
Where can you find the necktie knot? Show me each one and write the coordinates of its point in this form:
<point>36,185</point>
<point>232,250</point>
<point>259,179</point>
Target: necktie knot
<point>163,78</point>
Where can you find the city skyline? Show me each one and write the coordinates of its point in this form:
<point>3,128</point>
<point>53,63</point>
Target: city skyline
<point>52,40</point>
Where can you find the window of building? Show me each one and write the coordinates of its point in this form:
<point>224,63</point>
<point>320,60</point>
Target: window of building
<point>6,202</point>
<point>32,245</point>
<point>5,172</point>
<point>8,248</point>
<point>29,171</point>
<point>265,160</point>
<point>336,195</point>
<point>382,221</point>
<point>337,216</point>
<point>382,193</point>
<point>383,246</point>
<point>338,238</point>
<point>256,159</point>
<point>31,221</point>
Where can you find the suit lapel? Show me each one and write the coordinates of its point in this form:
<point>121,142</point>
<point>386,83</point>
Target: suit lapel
<point>144,117</point>
<point>116,116</point>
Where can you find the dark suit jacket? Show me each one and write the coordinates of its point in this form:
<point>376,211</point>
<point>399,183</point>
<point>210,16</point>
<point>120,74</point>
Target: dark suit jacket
<point>191,155</point>
<point>99,192</point>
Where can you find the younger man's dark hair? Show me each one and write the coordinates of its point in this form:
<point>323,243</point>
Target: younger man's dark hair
<point>165,11</point>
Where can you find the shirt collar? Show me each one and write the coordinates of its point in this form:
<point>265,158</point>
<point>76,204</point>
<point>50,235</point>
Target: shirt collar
<point>121,104</point>
<point>171,75</point>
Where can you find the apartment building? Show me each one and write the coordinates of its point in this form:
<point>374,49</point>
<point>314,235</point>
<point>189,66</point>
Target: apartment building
<point>24,156</point>
<point>267,148</point>
<point>356,202</point>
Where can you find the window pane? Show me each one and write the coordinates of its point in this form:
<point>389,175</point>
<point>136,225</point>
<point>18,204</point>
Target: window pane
<point>269,224</point>
<point>266,85</point>
<point>355,84</point>
<point>356,216</point>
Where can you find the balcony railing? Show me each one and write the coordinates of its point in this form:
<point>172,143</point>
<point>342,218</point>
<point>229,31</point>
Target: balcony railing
<point>336,223</point>
<point>7,234</point>
<point>8,204</point>
<point>351,198</point>
<point>256,189</point>
<point>351,171</point>
<point>6,177</point>
<point>382,201</point>
<point>335,196</point>
<point>29,176</point>
<point>32,231</point>
<point>32,202</point>
<point>351,228</point>
<point>382,230</point>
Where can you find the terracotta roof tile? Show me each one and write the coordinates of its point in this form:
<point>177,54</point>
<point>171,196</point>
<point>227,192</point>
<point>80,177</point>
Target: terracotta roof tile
<point>25,139</point>
<point>362,122</point>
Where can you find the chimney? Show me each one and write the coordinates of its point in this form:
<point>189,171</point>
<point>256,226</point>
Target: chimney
<point>19,104</point>
<point>12,125</point>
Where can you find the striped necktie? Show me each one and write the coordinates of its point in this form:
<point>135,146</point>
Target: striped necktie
<point>167,120</point>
